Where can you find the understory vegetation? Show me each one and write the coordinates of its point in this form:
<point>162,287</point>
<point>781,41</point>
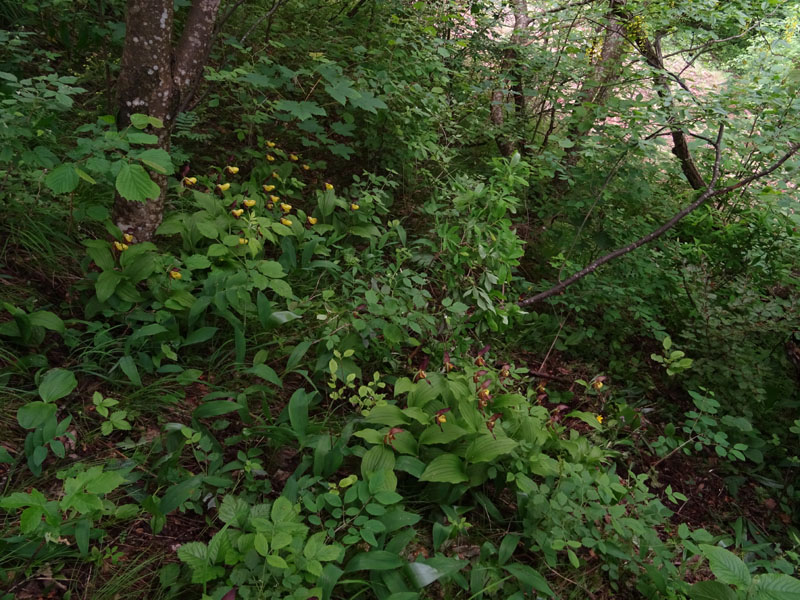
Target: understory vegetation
<point>379,343</point>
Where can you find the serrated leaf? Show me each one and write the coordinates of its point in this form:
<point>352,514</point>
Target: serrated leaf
<point>157,159</point>
<point>726,566</point>
<point>776,586</point>
<point>133,183</point>
<point>63,179</point>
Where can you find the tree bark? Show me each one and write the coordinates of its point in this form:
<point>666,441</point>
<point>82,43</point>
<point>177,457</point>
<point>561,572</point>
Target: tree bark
<point>157,80</point>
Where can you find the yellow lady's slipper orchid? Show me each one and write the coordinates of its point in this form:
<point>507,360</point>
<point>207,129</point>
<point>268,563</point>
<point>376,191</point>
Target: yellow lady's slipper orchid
<point>270,158</point>
<point>232,170</point>
<point>249,202</point>
<point>599,419</point>
<point>120,247</point>
<point>441,419</point>
<point>270,144</point>
<point>274,198</point>
<point>175,274</point>
<point>268,188</point>
<point>128,238</point>
<point>312,220</point>
<point>354,206</point>
<point>223,187</point>
<point>286,207</point>
<point>237,212</point>
<point>286,221</point>
<point>189,180</point>
<point>293,157</point>
<point>242,241</point>
<point>270,205</point>
<point>305,167</point>
<point>328,186</point>
<point>598,385</point>
<point>275,175</point>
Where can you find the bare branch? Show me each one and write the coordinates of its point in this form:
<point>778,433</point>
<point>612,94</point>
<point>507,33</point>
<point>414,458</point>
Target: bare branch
<point>702,199</point>
<point>560,8</point>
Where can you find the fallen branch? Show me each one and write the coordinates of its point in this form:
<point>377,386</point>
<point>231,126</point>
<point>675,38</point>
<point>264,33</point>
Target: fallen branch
<point>709,193</point>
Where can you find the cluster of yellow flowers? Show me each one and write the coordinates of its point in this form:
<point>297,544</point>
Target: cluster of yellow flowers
<point>122,246</point>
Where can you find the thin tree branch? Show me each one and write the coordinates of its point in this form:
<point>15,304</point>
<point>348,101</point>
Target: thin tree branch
<point>560,8</point>
<point>275,6</point>
<point>709,193</point>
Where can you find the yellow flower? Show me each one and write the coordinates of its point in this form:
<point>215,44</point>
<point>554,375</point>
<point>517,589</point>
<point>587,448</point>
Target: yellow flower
<point>286,207</point>
<point>249,202</point>
<point>274,198</point>
<point>275,175</point>
<point>270,205</point>
<point>599,419</point>
<point>598,385</point>
<point>286,221</point>
<point>354,206</point>
<point>232,170</point>
<point>175,274</point>
<point>328,186</point>
<point>293,157</point>
<point>441,419</point>
<point>305,167</point>
<point>222,187</point>
<point>120,247</point>
<point>270,158</point>
<point>237,212</point>
<point>189,180</point>
<point>268,188</point>
<point>271,144</point>
<point>242,241</point>
<point>128,237</point>
<point>124,246</point>
<point>312,220</point>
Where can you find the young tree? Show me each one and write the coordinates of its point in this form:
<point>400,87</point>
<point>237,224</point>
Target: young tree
<point>158,78</point>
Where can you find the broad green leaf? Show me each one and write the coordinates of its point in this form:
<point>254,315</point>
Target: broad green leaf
<point>215,408</point>
<point>486,448</point>
<point>530,577</point>
<point>377,458</point>
<point>157,159</point>
<point>178,494</point>
<point>266,373</point>
<point>711,590</point>
<point>63,179</point>
<point>446,468</point>
<point>133,183</point>
<point>301,110</point>
<point>726,566</point>
<point>128,366</point>
<point>33,414</point>
<point>106,284</point>
<point>56,384</point>
<point>376,560</point>
<point>776,586</point>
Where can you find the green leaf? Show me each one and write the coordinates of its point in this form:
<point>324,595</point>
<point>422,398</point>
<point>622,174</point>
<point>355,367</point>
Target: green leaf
<point>446,468</point>
<point>142,138</point>
<point>128,367</point>
<point>178,494</point>
<point>141,121</point>
<point>376,560</point>
<point>377,458</point>
<point>298,413</point>
<point>388,414</point>
<point>273,560</point>
<point>133,183</point>
<point>776,586</point>
<point>486,448</point>
<point>33,414</point>
<point>711,590</point>
<point>107,284</point>
<point>726,566</point>
<point>215,408</point>
<point>203,334</point>
<point>63,179</point>
<point>341,90</point>
<point>530,577</point>
<point>157,159</point>
<point>301,110</point>
<point>266,373</point>
<point>56,384</point>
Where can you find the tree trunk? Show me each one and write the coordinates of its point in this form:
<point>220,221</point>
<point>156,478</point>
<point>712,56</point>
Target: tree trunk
<point>159,81</point>
<point>594,89</point>
<point>511,63</point>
